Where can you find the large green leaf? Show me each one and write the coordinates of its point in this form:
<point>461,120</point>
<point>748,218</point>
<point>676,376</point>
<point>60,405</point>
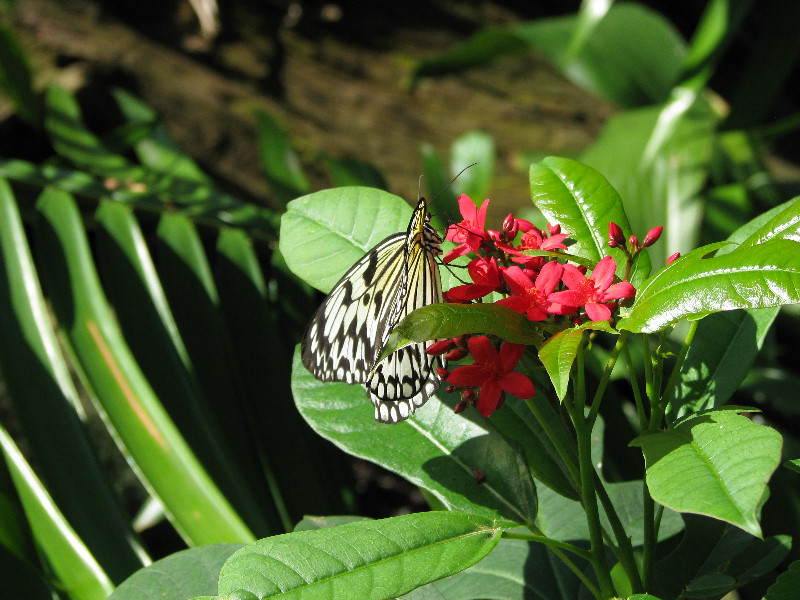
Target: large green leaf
<point>583,202</point>
<point>366,559</point>
<point>762,276</point>
<point>325,233</point>
<point>278,160</point>
<point>716,463</point>
<point>182,575</point>
<point>436,449</point>
<point>197,507</point>
<point>785,587</point>
<point>47,406</point>
<point>73,565</point>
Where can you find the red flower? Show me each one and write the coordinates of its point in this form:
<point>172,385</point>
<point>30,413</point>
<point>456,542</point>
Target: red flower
<point>532,298</point>
<point>533,239</point>
<point>493,372</point>
<point>470,232</point>
<point>593,292</point>
<point>486,277</point>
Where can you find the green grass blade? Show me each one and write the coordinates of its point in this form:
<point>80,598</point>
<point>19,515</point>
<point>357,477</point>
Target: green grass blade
<point>72,563</point>
<point>47,406</point>
<point>196,506</point>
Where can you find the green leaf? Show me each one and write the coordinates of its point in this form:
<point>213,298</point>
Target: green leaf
<point>473,147</point>
<point>762,276</point>
<point>367,559</point>
<point>785,587</point>
<point>48,408</point>
<point>442,321</point>
<point>514,570</point>
<point>713,558</point>
<point>559,351</point>
<point>325,233</point>
<point>716,463</point>
<point>15,78</point>
<point>182,575</point>
<point>71,562</point>
<point>278,160</point>
<point>725,344</point>
<point>436,449</point>
<point>664,188</point>
<point>73,140</point>
<point>345,172</point>
<point>565,519</point>
<point>197,507</point>
<point>583,202</point>
<point>309,522</point>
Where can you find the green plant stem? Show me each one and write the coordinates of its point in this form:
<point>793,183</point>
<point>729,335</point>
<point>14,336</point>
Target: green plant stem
<point>583,434</point>
<point>565,559</point>
<point>625,554</point>
<point>549,542</point>
<point>637,394</point>
<point>648,372</point>
<point>601,386</point>
<point>649,547</point>
<point>669,390</point>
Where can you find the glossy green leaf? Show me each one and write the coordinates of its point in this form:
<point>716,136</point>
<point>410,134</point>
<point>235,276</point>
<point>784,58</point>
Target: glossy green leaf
<point>785,587</point>
<point>583,202</point>
<point>559,351</point>
<point>182,575</point>
<point>442,321</point>
<point>725,344</point>
<point>367,559</point>
<point>73,140</point>
<point>197,507</point>
<point>309,522</point>
<point>16,81</point>
<point>325,233</point>
<point>436,449</point>
<point>713,558</point>
<point>473,148</point>
<point>278,160</point>
<point>72,563</point>
<point>715,464</point>
<point>762,276</point>
<point>48,409</point>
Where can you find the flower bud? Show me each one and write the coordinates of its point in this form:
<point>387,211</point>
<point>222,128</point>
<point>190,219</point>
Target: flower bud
<point>439,348</point>
<point>450,389</point>
<point>615,236</point>
<point>553,229</point>
<point>456,354</point>
<point>652,236</point>
<point>673,258</point>
<point>634,242</point>
<point>460,407</point>
<point>510,227</point>
<point>442,372</point>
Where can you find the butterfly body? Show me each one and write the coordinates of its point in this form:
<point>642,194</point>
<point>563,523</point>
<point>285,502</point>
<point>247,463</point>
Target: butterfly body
<point>349,330</point>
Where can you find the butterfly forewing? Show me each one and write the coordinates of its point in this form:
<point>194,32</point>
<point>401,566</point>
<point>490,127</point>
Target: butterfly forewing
<point>350,329</point>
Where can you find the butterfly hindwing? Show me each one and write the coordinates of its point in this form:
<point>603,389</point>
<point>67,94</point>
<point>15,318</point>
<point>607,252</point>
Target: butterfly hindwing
<point>350,329</point>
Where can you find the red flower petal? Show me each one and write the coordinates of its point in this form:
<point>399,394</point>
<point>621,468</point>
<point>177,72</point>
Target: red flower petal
<point>467,376</point>
<point>518,384</point>
<point>482,350</point>
<point>488,397</point>
<point>510,355</point>
<point>598,312</point>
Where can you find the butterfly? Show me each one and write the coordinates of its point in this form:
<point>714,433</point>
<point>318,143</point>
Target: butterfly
<point>349,330</point>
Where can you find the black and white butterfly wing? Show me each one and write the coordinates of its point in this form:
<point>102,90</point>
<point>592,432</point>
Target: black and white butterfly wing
<point>404,380</point>
<point>350,329</point>
<point>346,334</point>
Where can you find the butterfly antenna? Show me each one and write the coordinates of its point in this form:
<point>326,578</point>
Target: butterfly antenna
<point>451,181</point>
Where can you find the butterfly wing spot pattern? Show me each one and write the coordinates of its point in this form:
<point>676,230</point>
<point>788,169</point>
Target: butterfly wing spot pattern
<point>351,327</point>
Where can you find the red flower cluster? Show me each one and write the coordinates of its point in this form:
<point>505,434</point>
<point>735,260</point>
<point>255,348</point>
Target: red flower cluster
<point>538,285</point>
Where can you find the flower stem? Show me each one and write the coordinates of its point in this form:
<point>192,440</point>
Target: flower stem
<point>637,394</point>
<point>601,386</point>
<point>587,472</point>
<point>549,542</point>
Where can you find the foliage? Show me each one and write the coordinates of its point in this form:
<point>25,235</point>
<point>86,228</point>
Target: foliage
<point>134,286</point>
